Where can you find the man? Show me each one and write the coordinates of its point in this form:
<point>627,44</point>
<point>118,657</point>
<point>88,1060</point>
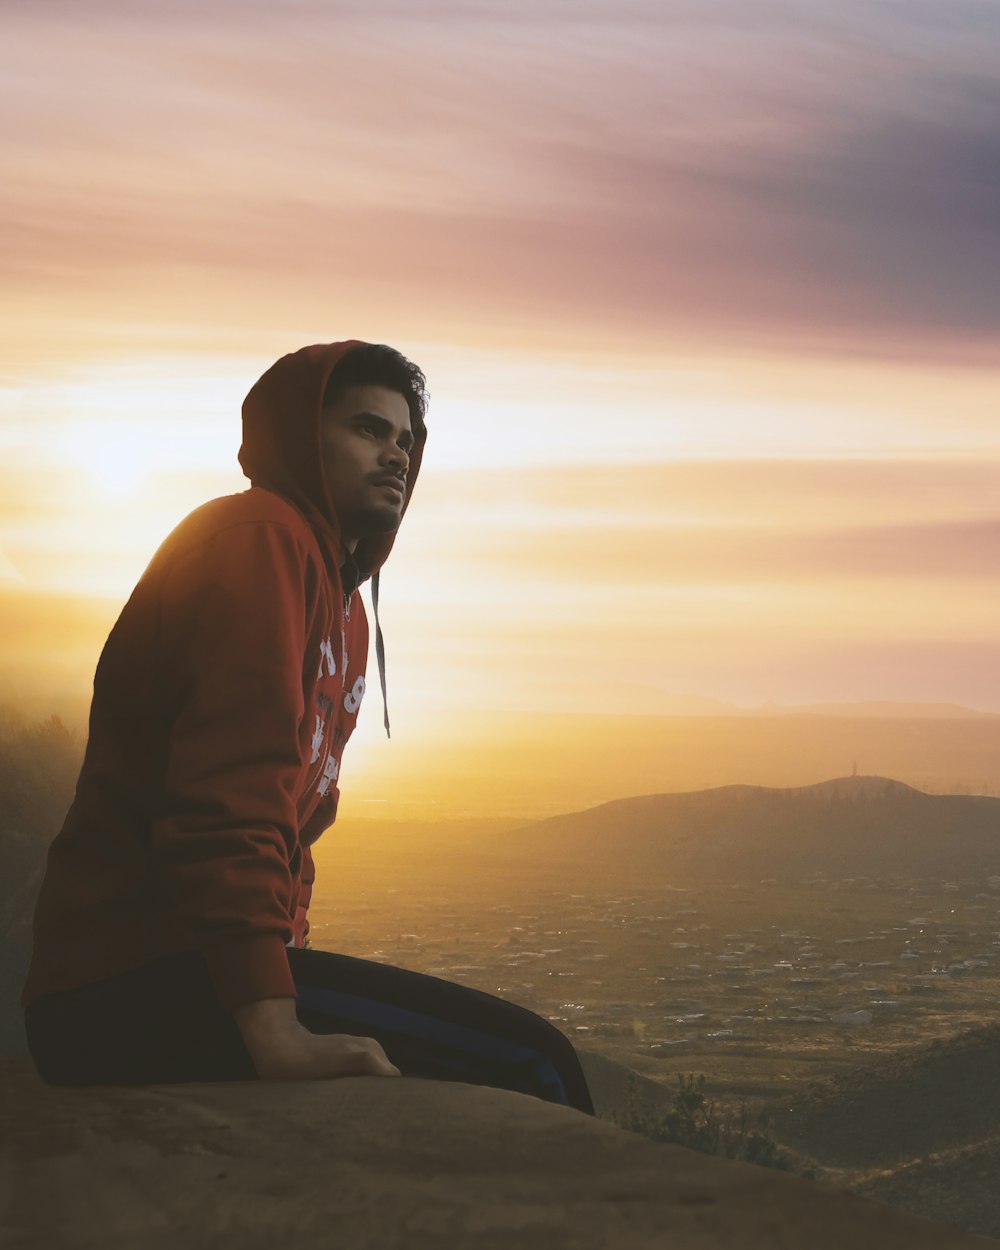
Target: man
<point>171,925</point>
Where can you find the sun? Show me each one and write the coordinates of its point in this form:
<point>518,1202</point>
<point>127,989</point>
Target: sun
<point>121,424</point>
<point>117,460</point>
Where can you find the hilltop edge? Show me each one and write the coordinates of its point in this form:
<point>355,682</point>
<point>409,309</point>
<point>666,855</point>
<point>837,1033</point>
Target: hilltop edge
<point>392,1163</point>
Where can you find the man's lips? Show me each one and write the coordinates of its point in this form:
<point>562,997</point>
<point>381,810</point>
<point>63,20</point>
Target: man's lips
<point>393,483</point>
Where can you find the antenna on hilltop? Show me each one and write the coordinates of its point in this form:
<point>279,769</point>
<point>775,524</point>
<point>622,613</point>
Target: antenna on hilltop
<point>855,773</point>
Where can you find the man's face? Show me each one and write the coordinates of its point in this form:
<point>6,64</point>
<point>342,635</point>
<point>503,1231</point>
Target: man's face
<point>366,440</point>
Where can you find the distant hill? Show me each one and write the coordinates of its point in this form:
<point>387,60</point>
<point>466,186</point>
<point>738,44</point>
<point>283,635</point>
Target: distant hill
<point>847,827</point>
<point>507,764</point>
<point>919,1130</point>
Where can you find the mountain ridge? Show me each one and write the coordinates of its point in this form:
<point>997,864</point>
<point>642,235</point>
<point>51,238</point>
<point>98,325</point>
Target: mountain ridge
<point>847,826</point>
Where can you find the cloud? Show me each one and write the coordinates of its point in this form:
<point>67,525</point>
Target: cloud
<point>8,570</point>
<point>797,581</point>
<point>662,559</point>
<point>642,173</point>
<point>807,494</point>
<point>772,550</point>
<point>658,529</point>
<point>659,557</point>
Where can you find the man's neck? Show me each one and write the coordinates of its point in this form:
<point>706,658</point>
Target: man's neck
<point>350,574</point>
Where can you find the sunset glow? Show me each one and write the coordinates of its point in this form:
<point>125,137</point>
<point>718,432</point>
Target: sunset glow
<point>708,315</point>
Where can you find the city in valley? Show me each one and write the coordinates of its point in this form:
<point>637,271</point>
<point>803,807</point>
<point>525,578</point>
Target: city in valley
<point>763,985</point>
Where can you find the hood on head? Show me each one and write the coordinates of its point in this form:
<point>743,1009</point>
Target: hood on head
<point>281,448</point>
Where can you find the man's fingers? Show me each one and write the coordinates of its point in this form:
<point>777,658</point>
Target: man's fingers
<point>363,1056</point>
<point>301,1055</point>
<point>382,1067</point>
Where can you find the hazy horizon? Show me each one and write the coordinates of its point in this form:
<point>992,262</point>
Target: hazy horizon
<point>493,765</point>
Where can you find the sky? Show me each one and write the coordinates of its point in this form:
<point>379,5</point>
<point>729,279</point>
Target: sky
<point>706,295</point>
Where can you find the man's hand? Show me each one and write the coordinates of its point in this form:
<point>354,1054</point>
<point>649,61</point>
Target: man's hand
<point>283,1050</point>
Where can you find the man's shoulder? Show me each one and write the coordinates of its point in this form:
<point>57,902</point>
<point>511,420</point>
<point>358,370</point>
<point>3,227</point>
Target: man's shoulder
<point>253,507</point>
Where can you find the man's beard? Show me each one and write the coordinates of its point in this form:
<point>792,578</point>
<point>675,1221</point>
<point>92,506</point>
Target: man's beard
<point>373,520</point>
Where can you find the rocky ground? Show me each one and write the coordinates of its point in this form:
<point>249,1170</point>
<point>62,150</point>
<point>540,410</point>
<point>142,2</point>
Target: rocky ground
<point>364,1163</point>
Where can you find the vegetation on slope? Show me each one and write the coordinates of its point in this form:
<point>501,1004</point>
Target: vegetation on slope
<point>39,763</point>
<point>694,1120</point>
<point>917,1129</point>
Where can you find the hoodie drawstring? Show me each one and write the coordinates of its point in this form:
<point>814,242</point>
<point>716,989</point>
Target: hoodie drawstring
<point>380,653</point>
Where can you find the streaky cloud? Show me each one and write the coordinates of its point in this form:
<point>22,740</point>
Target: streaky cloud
<point>641,171</point>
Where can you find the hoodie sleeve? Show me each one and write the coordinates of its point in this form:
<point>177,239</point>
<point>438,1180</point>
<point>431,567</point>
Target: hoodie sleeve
<point>234,636</point>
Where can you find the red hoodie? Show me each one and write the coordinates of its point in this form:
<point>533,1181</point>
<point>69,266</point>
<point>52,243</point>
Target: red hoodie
<point>222,703</point>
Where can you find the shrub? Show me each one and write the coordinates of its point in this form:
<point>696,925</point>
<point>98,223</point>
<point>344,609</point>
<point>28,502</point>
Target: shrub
<point>693,1120</point>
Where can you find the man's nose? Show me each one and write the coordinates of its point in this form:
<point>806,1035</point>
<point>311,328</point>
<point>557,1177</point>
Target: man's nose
<point>396,456</point>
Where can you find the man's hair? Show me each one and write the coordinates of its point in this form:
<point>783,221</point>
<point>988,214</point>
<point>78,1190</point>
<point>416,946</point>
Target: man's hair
<point>375,364</point>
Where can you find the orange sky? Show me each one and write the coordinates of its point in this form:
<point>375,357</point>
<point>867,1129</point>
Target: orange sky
<point>707,306</point>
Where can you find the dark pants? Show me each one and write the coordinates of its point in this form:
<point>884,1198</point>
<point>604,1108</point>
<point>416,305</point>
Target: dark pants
<point>162,1023</point>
